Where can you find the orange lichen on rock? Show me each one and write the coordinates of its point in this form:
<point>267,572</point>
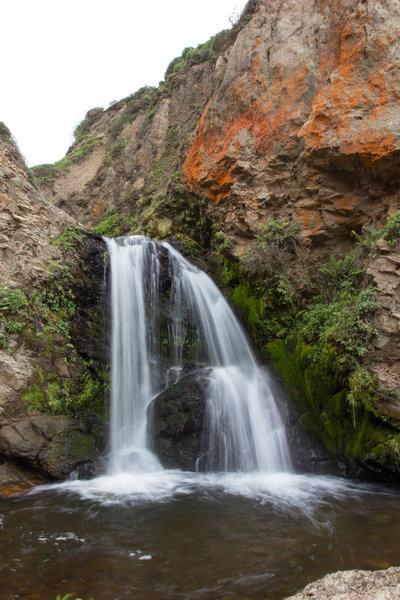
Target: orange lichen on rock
<point>214,154</point>
<point>349,112</point>
<point>311,221</point>
<point>20,487</point>
<point>99,209</point>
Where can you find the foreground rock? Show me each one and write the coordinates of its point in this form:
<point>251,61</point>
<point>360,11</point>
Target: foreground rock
<point>14,479</point>
<point>354,585</point>
<point>53,446</point>
<point>176,419</point>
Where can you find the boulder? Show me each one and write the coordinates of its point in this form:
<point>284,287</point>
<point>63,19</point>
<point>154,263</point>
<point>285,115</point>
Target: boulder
<point>53,446</point>
<point>354,585</point>
<point>176,422</point>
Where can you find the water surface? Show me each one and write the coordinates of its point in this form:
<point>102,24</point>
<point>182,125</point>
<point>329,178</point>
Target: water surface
<point>191,536</point>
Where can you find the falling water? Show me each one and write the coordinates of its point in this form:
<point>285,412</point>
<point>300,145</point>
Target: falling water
<point>245,431</point>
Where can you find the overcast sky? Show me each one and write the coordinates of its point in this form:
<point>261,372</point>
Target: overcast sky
<point>59,58</point>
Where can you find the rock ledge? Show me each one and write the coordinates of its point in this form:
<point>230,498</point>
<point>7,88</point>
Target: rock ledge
<point>354,585</point>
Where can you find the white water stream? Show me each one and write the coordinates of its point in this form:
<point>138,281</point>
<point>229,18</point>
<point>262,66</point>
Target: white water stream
<point>246,433</point>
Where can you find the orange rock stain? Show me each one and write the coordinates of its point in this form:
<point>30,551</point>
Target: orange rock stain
<point>213,157</point>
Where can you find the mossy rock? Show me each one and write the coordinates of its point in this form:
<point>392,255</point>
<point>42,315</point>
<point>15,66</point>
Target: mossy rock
<point>364,442</point>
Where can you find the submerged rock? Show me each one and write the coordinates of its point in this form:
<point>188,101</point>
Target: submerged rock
<point>354,585</point>
<point>176,422</point>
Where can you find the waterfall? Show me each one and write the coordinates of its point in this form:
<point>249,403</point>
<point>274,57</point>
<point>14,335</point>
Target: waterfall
<point>244,429</point>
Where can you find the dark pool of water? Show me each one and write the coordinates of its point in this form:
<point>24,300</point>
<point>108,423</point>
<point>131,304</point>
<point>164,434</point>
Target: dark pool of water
<point>192,537</point>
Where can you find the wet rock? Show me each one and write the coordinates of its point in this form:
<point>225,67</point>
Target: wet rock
<point>354,585</point>
<point>176,422</point>
<point>14,479</point>
<point>53,446</point>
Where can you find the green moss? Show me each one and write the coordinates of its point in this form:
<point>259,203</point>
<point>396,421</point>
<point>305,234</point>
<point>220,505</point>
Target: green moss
<point>250,305</point>
<point>349,431</point>
<point>191,246</point>
<point>94,386</point>
<point>52,394</point>
<point>114,224</point>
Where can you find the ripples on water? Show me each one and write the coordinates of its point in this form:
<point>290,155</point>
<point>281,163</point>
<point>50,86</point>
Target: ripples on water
<point>170,534</point>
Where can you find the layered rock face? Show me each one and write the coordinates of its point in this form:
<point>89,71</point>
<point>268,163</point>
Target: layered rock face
<point>304,123</point>
<point>47,303</point>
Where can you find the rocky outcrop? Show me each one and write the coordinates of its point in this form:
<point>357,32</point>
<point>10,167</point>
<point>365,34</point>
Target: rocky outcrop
<point>354,585</point>
<point>384,271</point>
<point>176,422</point>
<point>302,125</point>
<point>53,446</point>
<point>28,223</point>
<point>50,287</point>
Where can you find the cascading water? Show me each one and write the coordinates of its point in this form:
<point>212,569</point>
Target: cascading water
<point>176,533</point>
<point>245,431</point>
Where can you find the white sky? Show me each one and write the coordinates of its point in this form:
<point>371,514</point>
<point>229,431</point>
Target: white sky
<point>60,58</point>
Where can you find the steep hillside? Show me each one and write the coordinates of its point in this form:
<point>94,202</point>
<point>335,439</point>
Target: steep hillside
<point>275,146</point>
<point>49,374</point>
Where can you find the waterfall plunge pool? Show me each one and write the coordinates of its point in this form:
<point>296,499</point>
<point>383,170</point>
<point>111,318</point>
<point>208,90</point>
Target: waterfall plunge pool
<point>250,530</point>
<point>176,535</point>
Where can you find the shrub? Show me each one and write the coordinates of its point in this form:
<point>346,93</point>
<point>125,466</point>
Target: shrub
<point>391,231</point>
<point>339,274</point>
<point>84,126</point>
<point>338,330</point>
<point>67,239</point>
<point>5,133</point>
<point>272,250</point>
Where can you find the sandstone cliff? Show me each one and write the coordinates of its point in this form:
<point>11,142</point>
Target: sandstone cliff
<point>275,147</point>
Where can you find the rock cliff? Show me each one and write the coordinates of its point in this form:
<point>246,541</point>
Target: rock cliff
<point>274,147</point>
<point>45,296</point>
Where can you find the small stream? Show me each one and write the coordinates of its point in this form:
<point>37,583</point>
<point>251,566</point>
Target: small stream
<point>192,536</point>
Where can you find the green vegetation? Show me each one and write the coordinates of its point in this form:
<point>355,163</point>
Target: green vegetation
<point>338,328</point>
<point>114,224</point>
<point>391,231</point>
<point>192,248</point>
<point>222,243</point>
<point>13,310</point>
<point>144,100</point>
<point>54,395</point>
<point>38,314</point>
<point>316,334</point>
<point>44,173</point>
<point>272,250</point>
<point>210,50</point>
<point>67,240</point>
<point>42,320</point>
<point>117,147</point>
<point>5,133</point>
<point>84,126</point>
